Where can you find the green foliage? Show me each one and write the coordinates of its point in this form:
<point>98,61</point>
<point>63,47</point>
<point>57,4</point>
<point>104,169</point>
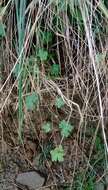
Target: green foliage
<point>55,70</point>
<point>59,103</point>
<point>46,37</point>
<point>57,154</point>
<point>42,54</point>
<point>47,127</point>
<point>66,128</point>
<point>90,184</point>
<point>32,101</point>
<point>2,30</point>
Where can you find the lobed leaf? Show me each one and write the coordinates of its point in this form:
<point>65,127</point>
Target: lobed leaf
<point>57,154</point>
<point>66,128</point>
<point>47,127</point>
<point>59,103</point>
<point>55,70</point>
<point>42,54</point>
<point>47,37</point>
<point>32,101</point>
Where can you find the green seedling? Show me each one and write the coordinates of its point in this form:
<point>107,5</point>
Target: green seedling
<point>47,127</point>
<point>55,70</point>
<point>59,103</point>
<point>47,37</point>
<point>65,128</point>
<point>32,101</point>
<point>57,154</point>
<point>42,54</point>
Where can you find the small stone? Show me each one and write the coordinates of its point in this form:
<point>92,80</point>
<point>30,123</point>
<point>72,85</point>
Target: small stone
<point>31,180</point>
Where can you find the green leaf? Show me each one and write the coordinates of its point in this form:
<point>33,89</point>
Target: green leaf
<point>59,103</point>
<point>42,54</point>
<point>47,37</point>
<point>66,128</point>
<point>2,30</point>
<point>55,70</point>
<point>57,154</point>
<point>32,101</point>
<point>47,127</point>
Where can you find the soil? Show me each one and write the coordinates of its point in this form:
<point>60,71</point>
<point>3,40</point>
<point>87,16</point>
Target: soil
<point>10,165</point>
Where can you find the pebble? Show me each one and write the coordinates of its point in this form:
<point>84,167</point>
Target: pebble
<point>32,180</point>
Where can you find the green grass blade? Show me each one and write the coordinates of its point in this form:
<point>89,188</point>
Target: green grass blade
<point>20,17</point>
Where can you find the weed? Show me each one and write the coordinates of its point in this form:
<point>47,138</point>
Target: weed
<point>46,37</point>
<point>55,70</point>
<point>59,103</point>
<point>57,154</point>
<point>65,128</point>
<point>42,54</point>
<point>32,101</point>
